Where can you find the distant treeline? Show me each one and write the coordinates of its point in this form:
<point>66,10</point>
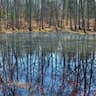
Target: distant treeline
<point>73,14</point>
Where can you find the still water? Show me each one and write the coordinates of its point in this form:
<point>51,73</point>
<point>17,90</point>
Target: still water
<point>47,64</point>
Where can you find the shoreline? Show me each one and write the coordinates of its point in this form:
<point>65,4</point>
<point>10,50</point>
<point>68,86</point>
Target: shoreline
<point>49,30</point>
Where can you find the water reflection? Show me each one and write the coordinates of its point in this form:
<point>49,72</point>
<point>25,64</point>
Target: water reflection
<point>41,65</point>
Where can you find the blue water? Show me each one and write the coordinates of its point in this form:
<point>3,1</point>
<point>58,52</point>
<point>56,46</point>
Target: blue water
<point>50,62</point>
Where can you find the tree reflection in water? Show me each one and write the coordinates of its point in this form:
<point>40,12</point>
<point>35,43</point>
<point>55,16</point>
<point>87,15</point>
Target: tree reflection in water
<point>47,67</point>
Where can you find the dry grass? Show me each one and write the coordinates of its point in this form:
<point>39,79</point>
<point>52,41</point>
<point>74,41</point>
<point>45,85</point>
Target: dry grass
<point>37,28</point>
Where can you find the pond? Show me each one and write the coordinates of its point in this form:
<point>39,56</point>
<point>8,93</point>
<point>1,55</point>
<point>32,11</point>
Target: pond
<point>47,64</point>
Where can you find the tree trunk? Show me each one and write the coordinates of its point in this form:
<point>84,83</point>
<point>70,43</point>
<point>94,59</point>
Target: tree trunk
<point>94,15</point>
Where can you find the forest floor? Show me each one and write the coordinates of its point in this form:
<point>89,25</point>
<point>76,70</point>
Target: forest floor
<point>37,28</point>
